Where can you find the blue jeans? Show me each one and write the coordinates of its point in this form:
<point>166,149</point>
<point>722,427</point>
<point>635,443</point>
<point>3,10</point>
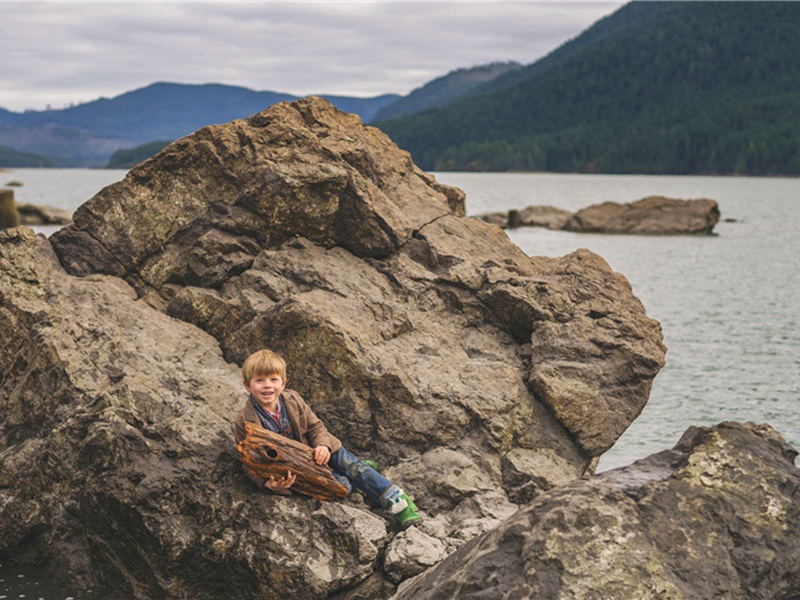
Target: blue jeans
<point>351,472</point>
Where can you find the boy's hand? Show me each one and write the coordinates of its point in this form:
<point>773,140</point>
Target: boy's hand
<point>280,485</point>
<point>322,455</point>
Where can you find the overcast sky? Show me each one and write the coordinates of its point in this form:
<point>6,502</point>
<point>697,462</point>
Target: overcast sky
<point>58,53</point>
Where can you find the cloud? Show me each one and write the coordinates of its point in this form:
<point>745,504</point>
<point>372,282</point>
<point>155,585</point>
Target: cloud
<point>58,53</point>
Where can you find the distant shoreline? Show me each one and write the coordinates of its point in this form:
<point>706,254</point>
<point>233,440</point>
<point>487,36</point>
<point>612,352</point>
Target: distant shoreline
<point>516,172</point>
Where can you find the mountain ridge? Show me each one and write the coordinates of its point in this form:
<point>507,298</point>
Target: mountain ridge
<point>669,87</point>
<point>446,89</point>
<point>88,134</point>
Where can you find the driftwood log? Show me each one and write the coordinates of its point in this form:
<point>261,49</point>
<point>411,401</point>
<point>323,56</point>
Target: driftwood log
<point>267,454</point>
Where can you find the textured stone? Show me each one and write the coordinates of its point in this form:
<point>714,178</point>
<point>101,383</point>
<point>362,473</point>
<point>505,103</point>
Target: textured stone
<point>425,340</point>
<point>410,553</point>
<point>539,216</point>
<point>652,215</point>
<point>9,215</point>
<point>366,265</point>
<point>34,214</point>
<point>116,459</point>
<point>527,473</point>
<point>716,517</point>
<point>494,218</point>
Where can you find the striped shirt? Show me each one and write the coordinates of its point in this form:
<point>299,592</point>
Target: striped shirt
<point>281,424</point>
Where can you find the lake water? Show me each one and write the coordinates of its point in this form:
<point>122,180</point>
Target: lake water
<point>728,303</point>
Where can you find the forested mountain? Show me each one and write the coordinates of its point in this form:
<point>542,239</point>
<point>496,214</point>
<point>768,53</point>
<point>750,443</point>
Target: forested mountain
<point>14,158</point>
<point>127,158</point>
<point>89,133</point>
<point>445,90</point>
<point>658,87</point>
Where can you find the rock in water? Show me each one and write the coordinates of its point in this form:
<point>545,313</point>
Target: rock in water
<point>716,517</point>
<point>9,216</point>
<point>539,216</point>
<point>532,216</point>
<point>652,215</point>
<point>474,374</point>
<point>495,218</point>
<point>33,214</point>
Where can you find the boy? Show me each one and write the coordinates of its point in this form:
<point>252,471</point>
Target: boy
<point>285,412</point>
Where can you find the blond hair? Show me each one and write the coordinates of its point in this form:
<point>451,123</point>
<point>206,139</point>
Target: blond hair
<point>263,362</point>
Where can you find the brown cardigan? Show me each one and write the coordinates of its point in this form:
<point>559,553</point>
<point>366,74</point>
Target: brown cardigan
<point>308,428</point>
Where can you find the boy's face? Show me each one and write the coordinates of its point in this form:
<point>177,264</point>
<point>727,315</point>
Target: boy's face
<point>266,389</point>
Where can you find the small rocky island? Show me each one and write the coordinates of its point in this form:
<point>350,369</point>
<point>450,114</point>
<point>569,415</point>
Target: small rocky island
<point>654,215</point>
<point>481,379</point>
<point>13,214</point>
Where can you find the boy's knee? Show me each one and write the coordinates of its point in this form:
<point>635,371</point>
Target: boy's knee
<point>345,482</point>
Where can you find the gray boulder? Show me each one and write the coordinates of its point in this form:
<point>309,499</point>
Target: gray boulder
<point>302,230</point>
<point>412,552</point>
<point>716,517</point>
<point>425,340</point>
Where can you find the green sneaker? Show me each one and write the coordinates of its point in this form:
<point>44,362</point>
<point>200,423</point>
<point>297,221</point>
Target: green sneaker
<point>409,515</point>
<point>371,464</point>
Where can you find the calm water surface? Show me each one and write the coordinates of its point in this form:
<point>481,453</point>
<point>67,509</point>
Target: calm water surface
<point>728,303</point>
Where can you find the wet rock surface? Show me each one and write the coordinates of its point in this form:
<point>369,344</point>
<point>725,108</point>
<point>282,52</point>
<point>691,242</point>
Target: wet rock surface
<point>477,377</point>
<point>716,517</point>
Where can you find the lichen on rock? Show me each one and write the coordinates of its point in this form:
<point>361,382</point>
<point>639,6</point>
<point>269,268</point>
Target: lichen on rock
<point>716,517</point>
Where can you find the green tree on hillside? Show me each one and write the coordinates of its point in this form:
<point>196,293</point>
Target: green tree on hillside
<point>684,87</point>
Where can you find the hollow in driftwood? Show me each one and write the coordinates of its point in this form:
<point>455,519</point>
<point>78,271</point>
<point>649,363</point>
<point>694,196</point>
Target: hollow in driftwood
<point>267,454</point>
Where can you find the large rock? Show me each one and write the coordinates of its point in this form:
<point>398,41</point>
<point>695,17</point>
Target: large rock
<point>499,218</point>
<point>716,517</point>
<point>531,216</point>
<point>302,230</point>
<point>549,217</point>
<point>478,377</point>
<point>116,462</point>
<point>652,215</point>
<point>36,214</point>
